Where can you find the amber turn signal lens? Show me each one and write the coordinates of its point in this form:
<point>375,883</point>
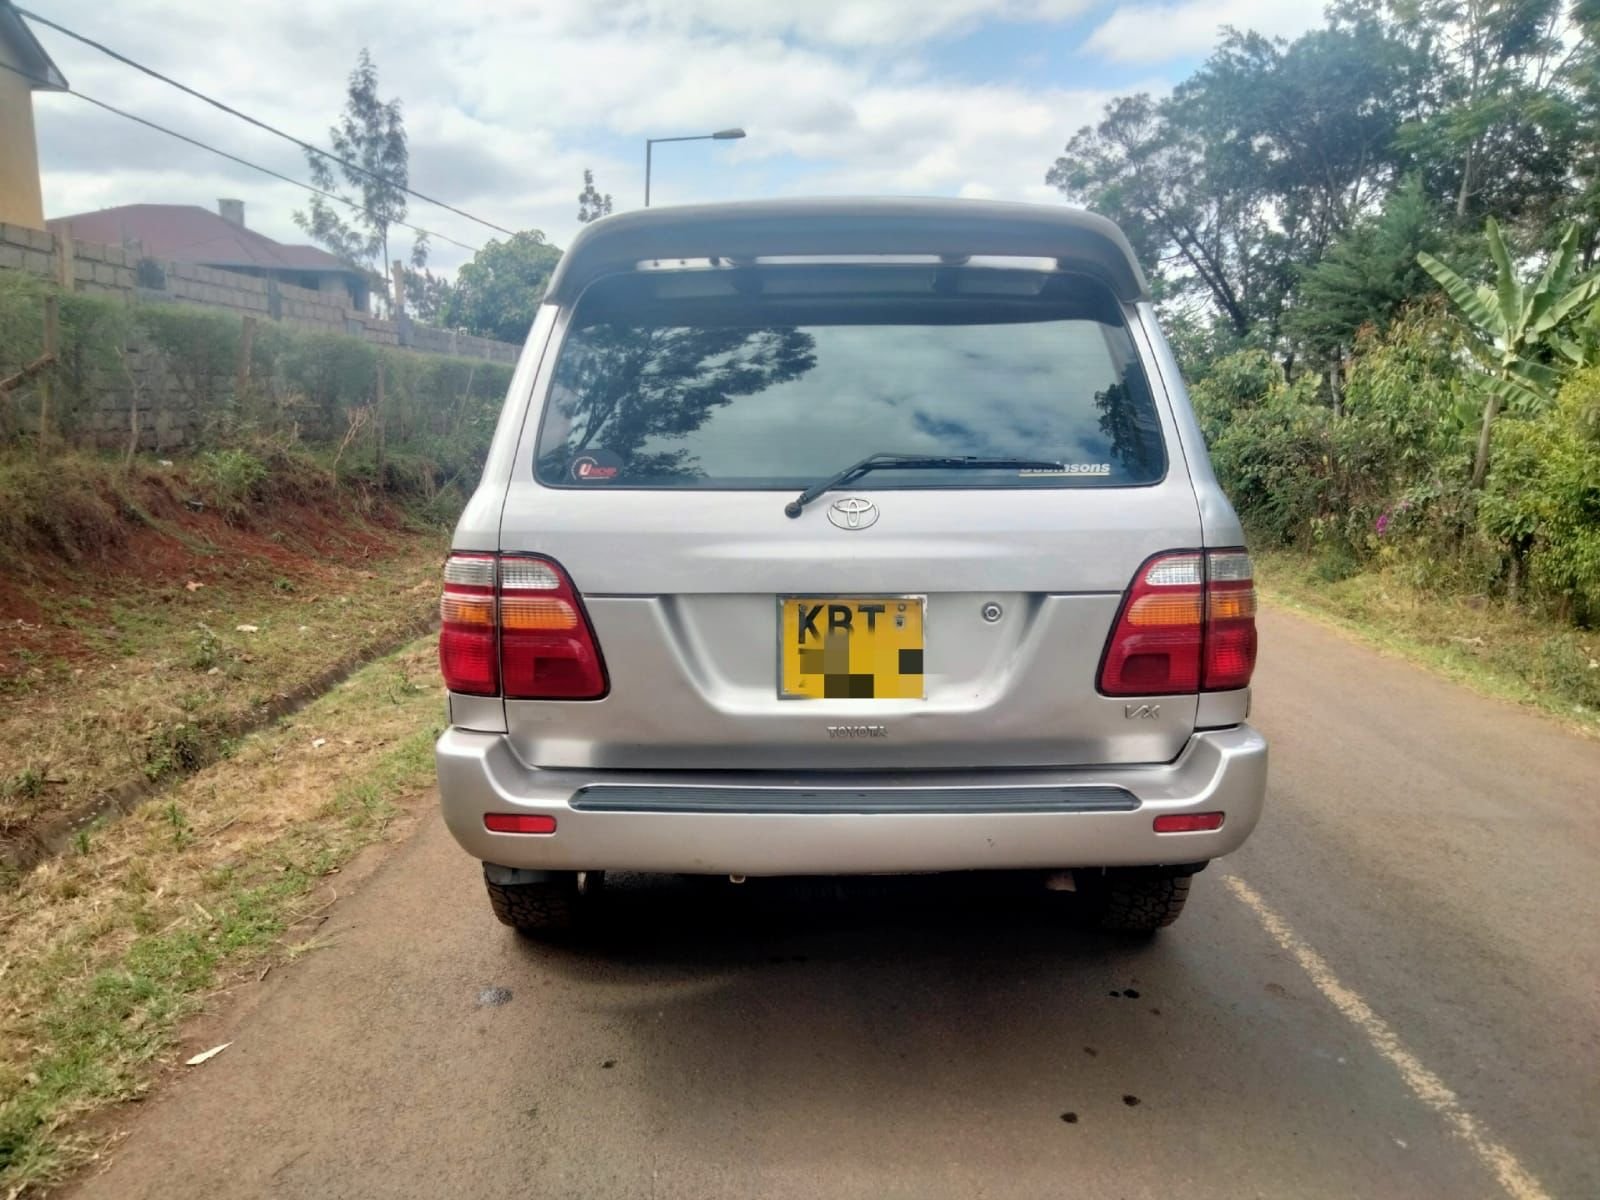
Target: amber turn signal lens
<point>536,612</point>
<point>1183,608</point>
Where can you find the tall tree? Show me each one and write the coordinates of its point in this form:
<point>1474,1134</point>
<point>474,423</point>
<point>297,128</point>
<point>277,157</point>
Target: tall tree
<point>1581,72</point>
<point>1367,276</point>
<point>498,292</point>
<point>1492,126</point>
<point>429,297</point>
<point>1312,122</point>
<point>1256,162</point>
<point>591,204</point>
<point>1144,169</point>
<point>371,135</point>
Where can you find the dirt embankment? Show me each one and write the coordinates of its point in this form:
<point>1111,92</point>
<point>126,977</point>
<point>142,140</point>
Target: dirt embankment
<point>150,617</point>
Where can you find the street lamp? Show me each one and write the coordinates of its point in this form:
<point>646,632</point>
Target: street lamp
<point>721,135</point>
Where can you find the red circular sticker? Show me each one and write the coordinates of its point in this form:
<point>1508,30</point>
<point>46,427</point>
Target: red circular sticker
<point>596,466</point>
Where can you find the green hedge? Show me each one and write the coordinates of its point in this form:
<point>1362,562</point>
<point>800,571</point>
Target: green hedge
<point>305,386</point>
<point>1383,482</point>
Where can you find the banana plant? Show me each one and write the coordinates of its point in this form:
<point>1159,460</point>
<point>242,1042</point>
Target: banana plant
<point>1518,331</point>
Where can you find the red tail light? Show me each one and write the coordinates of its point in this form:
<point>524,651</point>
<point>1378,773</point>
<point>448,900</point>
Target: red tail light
<point>467,653</point>
<point>1188,624</point>
<point>1230,621</point>
<point>547,650</point>
<point>514,626</point>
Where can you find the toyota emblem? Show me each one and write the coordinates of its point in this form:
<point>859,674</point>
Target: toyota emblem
<point>853,513</point>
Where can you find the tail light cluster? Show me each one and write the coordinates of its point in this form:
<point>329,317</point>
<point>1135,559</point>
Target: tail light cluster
<point>513,625</point>
<point>1188,624</point>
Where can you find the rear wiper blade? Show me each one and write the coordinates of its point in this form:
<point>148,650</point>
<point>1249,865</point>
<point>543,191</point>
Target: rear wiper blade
<point>914,462</point>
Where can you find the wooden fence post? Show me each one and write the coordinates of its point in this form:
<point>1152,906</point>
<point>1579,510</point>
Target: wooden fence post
<point>52,349</point>
<point>65,272</point>
<point>241,372</point>
<point>400,317</point>
<point>381,420</point>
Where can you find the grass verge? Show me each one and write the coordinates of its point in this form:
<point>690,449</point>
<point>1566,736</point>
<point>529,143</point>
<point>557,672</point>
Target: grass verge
<point>146,658</point>
<point>106,949</point>
<point>1494,648</point>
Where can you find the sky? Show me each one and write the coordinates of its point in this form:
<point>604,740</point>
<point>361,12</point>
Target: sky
<point>507,101</point>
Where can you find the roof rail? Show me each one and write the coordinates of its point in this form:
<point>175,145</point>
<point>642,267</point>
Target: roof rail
<point>1078,240</point>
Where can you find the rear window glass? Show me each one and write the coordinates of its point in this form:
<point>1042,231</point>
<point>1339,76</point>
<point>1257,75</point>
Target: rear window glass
<point>779,377</point>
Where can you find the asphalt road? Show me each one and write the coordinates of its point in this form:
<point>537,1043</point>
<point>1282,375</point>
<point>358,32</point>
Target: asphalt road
<point>1392,991</point>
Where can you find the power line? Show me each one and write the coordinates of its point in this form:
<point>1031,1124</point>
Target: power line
<point>244,162</point>
<point>259,124</point>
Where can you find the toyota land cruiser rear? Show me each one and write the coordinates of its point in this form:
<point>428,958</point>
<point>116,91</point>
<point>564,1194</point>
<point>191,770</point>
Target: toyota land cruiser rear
<point>848,537</point>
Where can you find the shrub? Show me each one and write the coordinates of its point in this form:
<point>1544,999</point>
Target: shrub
<point>1541,502</point>
<point>1270,445</point>
<point>201,350</point>
<point>427,441</point>
<point>1387,471</point>
<point>232,478</point>
<point>332,371</point>
<point>93,330</point>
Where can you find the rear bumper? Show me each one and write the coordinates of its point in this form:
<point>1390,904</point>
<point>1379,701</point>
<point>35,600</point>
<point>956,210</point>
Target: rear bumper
<point>756,823</point>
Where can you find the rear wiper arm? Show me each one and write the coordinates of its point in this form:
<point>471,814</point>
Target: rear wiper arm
<point>913,462</point>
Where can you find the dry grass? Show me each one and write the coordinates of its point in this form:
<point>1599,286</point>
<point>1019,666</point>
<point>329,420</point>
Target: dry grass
<point>159,679</point>
<point>1485,644</point>
<point>105,949</point>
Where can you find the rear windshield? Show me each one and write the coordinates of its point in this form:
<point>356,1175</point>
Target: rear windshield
<point>778,377</point>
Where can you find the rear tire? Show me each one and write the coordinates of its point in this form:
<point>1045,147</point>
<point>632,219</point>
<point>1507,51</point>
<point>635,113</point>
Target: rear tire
<point>1135,899</point>
<point>548,908</point>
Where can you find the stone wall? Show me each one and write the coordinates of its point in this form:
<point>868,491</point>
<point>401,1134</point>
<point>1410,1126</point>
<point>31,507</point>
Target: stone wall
<point>114,270</point>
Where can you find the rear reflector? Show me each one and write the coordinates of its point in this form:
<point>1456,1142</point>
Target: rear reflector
<point>1189,822</point>
<point>513,625</point>
<point>1186,625</point>
<point>519,823</point>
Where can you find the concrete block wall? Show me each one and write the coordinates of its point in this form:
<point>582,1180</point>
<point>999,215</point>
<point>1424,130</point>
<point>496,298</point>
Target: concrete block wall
<point>102,417</point>
<point>170,413</point>
<point>104,269</point>
<point>216,289</point>
<point>462,345</point>
<point>113,271</point>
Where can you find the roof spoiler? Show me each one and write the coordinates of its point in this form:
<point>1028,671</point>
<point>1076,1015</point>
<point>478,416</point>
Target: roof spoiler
<point>1079,240</point>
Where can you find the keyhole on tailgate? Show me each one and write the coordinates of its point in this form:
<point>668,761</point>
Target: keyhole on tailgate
<point>992,612</point>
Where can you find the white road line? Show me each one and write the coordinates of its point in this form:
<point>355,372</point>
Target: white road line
<point>1517,1181</point>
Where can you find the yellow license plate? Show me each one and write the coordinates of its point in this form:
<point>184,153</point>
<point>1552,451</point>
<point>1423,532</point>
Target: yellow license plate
<point>837,649</point>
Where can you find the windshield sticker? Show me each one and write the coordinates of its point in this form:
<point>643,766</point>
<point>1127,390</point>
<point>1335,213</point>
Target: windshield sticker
<point>596,466</point>
<point>1069,469</point>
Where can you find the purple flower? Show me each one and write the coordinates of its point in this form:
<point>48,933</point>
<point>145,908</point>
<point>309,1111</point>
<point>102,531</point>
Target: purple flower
<point>1381,524</point>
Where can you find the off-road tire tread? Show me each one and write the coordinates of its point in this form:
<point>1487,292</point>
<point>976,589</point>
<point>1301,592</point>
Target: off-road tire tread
<point>539,909</point>
<point>1141,902</point>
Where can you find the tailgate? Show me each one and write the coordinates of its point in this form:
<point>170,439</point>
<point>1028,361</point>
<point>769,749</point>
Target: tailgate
<point>685,602</point>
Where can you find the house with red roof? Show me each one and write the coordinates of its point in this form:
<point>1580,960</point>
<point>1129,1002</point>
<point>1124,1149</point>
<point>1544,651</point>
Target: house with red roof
<point>187,233</point>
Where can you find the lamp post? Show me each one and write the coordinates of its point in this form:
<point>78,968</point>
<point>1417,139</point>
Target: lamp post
<point>721,135</point>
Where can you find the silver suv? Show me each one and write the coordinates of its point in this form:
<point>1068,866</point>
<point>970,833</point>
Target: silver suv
<point>840,537</point>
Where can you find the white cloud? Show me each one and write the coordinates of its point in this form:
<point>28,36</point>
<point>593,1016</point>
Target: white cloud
<point>827,22</point>
<point>506,102</point>
<point>1153,33</point>
<point>989,142</point>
